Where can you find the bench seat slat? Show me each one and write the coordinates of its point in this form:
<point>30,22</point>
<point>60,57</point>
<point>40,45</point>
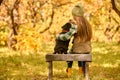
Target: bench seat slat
<point>69,57</point>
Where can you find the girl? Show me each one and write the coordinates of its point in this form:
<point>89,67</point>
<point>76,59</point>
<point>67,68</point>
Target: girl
<point>82,33</point>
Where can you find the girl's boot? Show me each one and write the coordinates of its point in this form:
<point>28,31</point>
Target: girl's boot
<point>69,72</point>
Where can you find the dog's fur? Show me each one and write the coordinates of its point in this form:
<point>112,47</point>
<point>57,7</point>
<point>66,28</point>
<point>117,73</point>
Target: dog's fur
<point>62,46</point>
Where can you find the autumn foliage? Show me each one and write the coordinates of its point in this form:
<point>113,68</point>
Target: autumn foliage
<point>30,24</point>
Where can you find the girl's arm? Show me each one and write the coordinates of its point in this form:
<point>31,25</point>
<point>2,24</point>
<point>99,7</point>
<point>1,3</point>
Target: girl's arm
<point>69,34</point>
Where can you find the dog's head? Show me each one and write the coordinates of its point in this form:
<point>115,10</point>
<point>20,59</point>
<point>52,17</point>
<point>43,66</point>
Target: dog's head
<point>67,26</point>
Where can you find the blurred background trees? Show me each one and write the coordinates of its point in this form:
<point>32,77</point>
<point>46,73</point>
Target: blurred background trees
<point>30,24</point>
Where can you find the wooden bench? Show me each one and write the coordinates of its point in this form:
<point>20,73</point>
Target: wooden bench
<point>68,57</point>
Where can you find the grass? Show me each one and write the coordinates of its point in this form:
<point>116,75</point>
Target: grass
<point>16,65</point>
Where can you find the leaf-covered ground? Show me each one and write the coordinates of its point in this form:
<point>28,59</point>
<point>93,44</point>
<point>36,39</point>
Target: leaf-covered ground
<point>32,66</point>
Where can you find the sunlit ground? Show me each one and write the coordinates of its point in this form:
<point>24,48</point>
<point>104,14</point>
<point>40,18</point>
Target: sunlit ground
<point>32,66</point>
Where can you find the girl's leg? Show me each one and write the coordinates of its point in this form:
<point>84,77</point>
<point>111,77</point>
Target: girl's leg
<point>81,65</point>
<point>69,68</point>
<point>69,64</point>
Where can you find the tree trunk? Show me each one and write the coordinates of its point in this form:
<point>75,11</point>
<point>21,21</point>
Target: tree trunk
<point>13,26</point>
<point>107,32</point>
<point>118,12</point>
<point>12,41</point>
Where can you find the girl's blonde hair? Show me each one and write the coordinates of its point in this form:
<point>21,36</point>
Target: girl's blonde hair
<point>84,29</point>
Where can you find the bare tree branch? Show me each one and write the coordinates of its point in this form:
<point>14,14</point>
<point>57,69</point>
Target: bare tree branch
<point>114,7</point>
<point>65,4</point>
<point>52,15</point>
<point>51,22</point>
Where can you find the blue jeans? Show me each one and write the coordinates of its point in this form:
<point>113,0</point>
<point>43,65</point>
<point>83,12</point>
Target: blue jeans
<point>80,64</point>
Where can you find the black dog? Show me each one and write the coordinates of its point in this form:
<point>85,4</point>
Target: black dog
<point>62,46</point>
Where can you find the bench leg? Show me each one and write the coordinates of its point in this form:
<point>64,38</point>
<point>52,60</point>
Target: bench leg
<point>50,70</point>
<point>87,70</point>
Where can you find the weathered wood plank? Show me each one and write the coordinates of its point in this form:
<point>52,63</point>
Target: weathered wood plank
<point>87,71</point>
<point>69,57</point>
<point>50,67</point>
